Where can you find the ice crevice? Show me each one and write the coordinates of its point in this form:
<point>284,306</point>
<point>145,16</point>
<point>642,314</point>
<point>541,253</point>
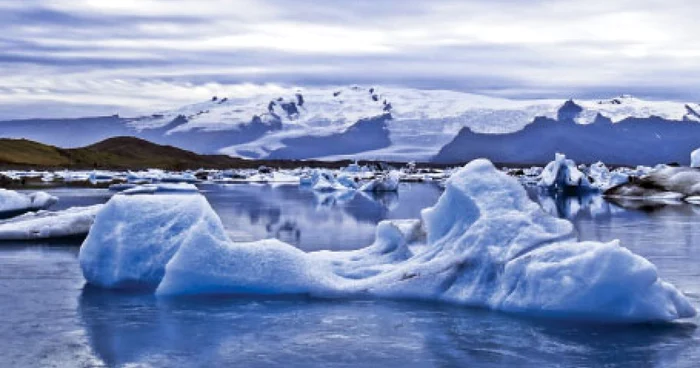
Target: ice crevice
<point>486,244</point>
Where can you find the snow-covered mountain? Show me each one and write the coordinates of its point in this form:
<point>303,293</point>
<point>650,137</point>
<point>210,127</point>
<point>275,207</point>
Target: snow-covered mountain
<point>389,123</point>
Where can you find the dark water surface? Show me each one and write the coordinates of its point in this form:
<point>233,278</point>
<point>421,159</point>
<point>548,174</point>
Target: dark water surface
<point>51,320</point>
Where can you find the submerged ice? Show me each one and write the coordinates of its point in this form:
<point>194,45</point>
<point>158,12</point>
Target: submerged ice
<point>483,244</point>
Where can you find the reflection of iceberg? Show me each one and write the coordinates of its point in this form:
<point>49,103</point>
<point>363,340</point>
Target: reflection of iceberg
<point>330,199</point>
<point>561,205</point>
<point>388,200</point>
<point>488,245</point>
<point>645,204</point>
<point>126,330</point>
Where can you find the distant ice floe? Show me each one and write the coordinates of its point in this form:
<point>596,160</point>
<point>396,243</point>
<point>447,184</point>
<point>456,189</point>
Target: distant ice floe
<point>73,222</point>
<point>385,183</point>
<point>14,202</point>
<point>663,183</point>
<point>161,188</point>
<point>695,158</point>
<point>483,244</point>
<point>562,175</point>
<point>602,178</point>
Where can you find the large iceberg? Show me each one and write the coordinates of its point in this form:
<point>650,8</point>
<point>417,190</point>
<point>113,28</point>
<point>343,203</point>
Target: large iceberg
<point>13,202</point>
<point>134,236</point>
<point>695,158</point>
<point>484,244</point>
<point>72,222</point>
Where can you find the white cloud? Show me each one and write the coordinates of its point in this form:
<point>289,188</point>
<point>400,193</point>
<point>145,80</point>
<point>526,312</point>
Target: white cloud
<point>138,55</point>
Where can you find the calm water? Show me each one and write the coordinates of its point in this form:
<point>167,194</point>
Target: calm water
<point>51,319</point>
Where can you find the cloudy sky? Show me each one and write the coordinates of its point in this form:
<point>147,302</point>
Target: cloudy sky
<point>86,57</point>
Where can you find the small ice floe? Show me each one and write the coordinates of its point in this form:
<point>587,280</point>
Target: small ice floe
<point>562,175</point>
<point>161,188</point>
<point>12,202</point>
<point>663,183</point>
<point>695,158</point>
<point>73,222</point>
<point>385,183</point>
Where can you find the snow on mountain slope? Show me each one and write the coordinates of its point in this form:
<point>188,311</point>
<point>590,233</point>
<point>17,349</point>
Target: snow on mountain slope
<point>419,123</point>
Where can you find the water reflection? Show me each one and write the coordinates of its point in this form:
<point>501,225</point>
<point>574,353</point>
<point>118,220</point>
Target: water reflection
<point>591,205</point>
<point>139,329</point>
<point>310,220</point>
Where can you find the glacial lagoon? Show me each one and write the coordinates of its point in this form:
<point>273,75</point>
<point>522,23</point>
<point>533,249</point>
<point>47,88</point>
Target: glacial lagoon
<point>52,319</point>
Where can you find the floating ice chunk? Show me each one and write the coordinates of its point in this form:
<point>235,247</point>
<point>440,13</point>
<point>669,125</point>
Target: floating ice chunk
<point>179,178</point>
<point>273,177</point>
<point>12,201</point>
<point>135,236</point>
<point>161,188</point>
<point>486,245</point>
<point>97,177</point>
<point>664,182</point>
<point>120,187</point>
<point>75,221</point>
<point>348,181</point>
<point>385,183</point>
<point>325,184</point>
<point>695,158</point>
<point>563,175</point>
<point>604,178</point>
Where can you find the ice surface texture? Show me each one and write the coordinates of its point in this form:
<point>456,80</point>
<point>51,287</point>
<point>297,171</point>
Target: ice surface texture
<point>663,183</point>
<point>562,175</point>
<point>75,221</point>
<point>12,201</point>
<point>486,245</point>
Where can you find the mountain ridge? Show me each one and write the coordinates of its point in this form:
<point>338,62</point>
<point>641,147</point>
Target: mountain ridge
<point>353,122</point>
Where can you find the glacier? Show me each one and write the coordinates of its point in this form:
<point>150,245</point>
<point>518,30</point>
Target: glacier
<point>399,124</point>
<point>483,244</point>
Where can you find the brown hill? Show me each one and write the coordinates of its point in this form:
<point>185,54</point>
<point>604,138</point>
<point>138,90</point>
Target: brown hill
<point>128,153</point>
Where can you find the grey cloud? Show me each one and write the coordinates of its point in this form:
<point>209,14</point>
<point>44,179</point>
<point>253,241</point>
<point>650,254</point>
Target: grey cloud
<point>543,48</point>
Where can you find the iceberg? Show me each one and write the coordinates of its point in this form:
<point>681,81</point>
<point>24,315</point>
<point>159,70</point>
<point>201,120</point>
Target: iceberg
<point>161,188</point>
<point>328,184</point>
<point>73,222</point>
<point>385,183</point>
<point>484,244</point>
<point>134,236</point>
<point>602,178</point>
<point>321,180</point>
<point>12,202</point>
<point>562,175</point>
<point>663,183</point>
<point>695,158</point>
